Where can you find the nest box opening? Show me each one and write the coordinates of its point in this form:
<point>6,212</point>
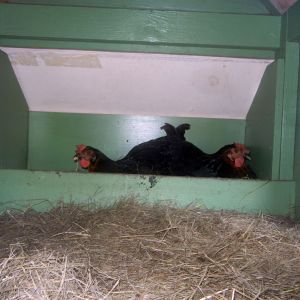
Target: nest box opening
<point>114,101</point>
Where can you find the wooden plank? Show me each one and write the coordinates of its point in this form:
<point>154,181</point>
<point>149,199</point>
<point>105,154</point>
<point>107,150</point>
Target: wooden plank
<point>232,6</point>
<point>262,135</point>
<point>124,26</point>
<point>291,71</point>
<point>33,189</point>
<point>14,118</point>
<point>148,48</point>
<point>297,160</point>
<point>294,23</point>
<point>279,87</point>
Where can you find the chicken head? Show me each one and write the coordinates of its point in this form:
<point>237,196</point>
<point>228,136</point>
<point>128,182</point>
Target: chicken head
<point>237,155</point>
<point>84,155</point>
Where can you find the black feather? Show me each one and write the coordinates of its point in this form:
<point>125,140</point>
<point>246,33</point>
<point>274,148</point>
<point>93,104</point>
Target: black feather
<point>169,155</point>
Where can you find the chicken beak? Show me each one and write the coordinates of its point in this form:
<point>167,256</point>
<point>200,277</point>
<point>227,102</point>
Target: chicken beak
<point>247,156</point>
<point>75,158</point>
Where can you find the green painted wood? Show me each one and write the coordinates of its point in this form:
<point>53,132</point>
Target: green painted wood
<point>289,110</point>
<point>53,136</point>
<point>186,50</point>
<point>297,155</point>
<point>130,47</point>
<point>42,190</point>
<point>279,88</point>
<point>13,119</point>
<point>232,6</point>
<point>261,135</point>
<point>270,7</point>
<point>293,15</point>
<point>270,130</point>
<point>126,26</point>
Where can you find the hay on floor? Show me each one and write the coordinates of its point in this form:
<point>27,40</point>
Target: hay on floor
<point>139,251</point>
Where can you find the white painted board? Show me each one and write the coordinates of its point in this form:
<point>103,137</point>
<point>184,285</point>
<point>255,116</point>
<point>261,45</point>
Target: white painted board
<point>136,83</point>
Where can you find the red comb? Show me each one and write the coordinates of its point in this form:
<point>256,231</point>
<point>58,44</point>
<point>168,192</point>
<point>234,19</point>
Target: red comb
<point>80,148</point>
<point>242,148</point>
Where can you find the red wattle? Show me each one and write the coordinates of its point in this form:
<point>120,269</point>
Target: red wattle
<point>238,162</point>
<point>84,163</point>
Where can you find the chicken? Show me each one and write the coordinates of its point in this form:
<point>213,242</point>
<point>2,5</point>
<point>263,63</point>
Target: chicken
<point>151,157</point>
<point>170,155</point>
<point>178,132</point>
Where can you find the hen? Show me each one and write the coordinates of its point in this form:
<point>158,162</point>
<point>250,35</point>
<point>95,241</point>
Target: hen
<point>170,155</point>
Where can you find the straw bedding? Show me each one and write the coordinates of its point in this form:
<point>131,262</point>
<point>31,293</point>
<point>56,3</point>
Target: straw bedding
<point>142,251</point>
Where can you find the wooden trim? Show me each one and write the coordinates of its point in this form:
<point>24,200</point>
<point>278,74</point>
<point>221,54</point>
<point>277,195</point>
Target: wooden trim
<point>231,6</point>
<point>291,69</point>
<point>293,15</point>
<point>75,26</point>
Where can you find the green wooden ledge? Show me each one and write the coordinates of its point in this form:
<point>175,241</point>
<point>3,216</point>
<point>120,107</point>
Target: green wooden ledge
<point>21,189</point>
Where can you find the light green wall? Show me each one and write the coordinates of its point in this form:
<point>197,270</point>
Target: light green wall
<point>270,122</point>
<point>293,22</point>
<point>261,135</point>
<point>289,105</point>
<point>297,158</point>
<point>293,34</point>
<point>42,190</point>
<point>13,119</point>
<point>53,136</point>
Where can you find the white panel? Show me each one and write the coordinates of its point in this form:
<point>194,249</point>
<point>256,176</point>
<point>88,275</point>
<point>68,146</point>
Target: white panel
<point>138,84</point>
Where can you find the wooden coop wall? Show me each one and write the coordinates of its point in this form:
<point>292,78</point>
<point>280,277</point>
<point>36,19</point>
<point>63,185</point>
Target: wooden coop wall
<point>294,35</point>
<point>162,31</point>
<point>256,7</point>
<point>261,133</point>
<point>42,190</point>
<point>297,160</point>
<point>14,117</point>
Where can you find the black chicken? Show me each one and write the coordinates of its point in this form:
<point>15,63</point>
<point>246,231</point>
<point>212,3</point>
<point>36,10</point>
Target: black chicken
<point>170,155</point>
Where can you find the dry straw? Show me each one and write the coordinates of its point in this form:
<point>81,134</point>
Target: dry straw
<point>139,251</point>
